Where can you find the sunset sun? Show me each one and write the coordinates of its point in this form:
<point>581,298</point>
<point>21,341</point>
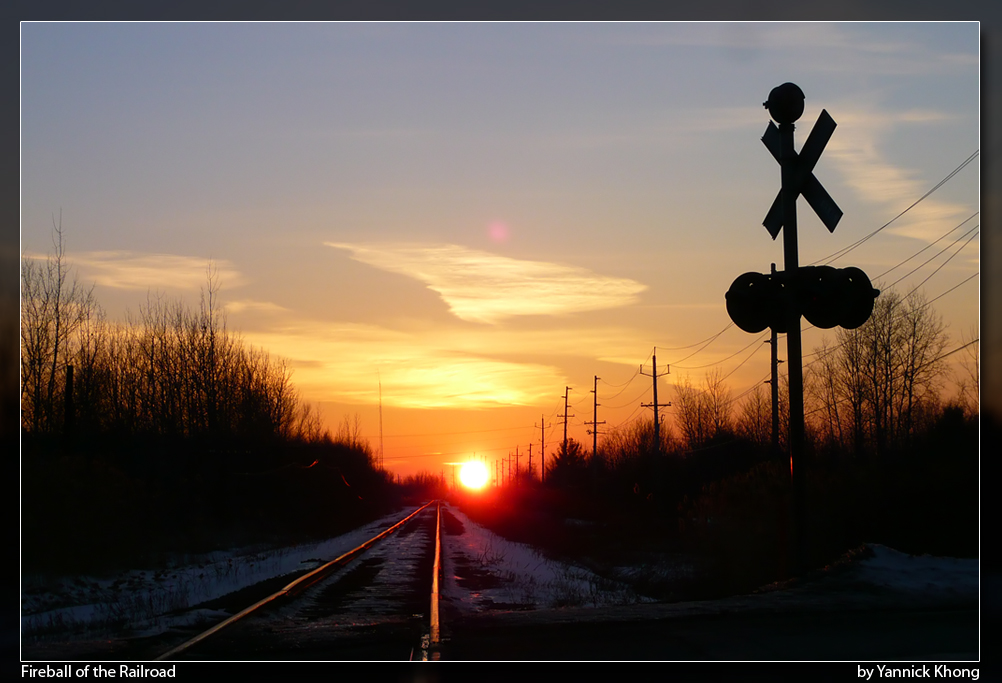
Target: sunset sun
<point>473,475</point>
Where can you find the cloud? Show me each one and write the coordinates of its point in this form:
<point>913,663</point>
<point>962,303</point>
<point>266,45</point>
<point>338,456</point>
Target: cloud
<point>482,287</point>
<point>130,270</point>
<point>249,305</point>
<point>823,46</point>
<point>868,172</point>
<point>343,362</point>
<point>444,366</point>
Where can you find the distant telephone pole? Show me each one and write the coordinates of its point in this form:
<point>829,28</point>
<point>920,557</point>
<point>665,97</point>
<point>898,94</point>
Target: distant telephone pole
<point>542,447</point>
<point>774,381</point>
<point>595,423</point>
<point>380,420</point>
<point>567,390</point>
<point>657,409</point>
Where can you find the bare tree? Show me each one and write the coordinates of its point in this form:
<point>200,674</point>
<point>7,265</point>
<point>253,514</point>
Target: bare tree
<point>969,383</point>
<point>922,340</point>
<point>689,414</point>
<point>169,371</point>
<point>755,421</point>
<point>349,433</point>
<point>53,307</point>
<point>717,396</point>
<point>635,442</point>
<point>872,385</point>
<point>702,413</point>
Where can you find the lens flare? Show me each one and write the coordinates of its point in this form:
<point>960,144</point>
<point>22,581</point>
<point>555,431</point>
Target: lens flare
<point>473,475</point>
<point>498,231</point>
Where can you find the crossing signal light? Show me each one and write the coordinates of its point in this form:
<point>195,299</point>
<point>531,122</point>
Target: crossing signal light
<point>785,103</point>
<point>755,302</point>
<point>826,297</point>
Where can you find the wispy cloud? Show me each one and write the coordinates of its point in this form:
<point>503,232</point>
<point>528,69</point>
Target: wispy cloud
<point>443,366</point>
<point>876,180</point>
<point>250,305</point>
<point>482,287</point>
<point>857,46</point>
<point>339,362</point>
<point>131,270</point>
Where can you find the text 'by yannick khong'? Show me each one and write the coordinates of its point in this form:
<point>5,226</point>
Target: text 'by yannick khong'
<point>920,671</point>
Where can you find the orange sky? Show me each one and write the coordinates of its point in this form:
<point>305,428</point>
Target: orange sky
<point>477,216</point>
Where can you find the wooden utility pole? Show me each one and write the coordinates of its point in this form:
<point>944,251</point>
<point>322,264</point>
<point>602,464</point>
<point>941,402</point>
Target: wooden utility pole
<point>567,391</point>
<point>595,423</point>
<point>773,381</point>
<point>657,409</point>
<point>380,421</point>
<point>542,447</point>
<point>530,460</point>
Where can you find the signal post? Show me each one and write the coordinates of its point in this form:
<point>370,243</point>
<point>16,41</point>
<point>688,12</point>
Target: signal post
<point>824,295</point>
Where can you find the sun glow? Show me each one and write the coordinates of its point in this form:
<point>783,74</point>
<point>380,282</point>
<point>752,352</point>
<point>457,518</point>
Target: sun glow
<point>473,475</point>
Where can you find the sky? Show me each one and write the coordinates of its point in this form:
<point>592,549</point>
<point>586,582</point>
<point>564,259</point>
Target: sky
<point>459,221</point>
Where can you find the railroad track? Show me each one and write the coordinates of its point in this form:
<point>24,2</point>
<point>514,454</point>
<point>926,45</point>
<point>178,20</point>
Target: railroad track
<point>378,601</point>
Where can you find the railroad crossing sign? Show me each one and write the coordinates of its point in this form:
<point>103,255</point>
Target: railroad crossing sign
<point>803,180</point>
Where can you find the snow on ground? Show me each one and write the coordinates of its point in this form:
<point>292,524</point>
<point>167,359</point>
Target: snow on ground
<point>148,602</point>
<point>483,572</point>
<point>932,577</point>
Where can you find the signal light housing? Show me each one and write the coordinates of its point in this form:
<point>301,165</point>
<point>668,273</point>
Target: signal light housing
<point>755,302</point>
<point>826,297</point>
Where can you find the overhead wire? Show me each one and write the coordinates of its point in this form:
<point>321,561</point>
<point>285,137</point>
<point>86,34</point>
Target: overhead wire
<point>842,252</point>
<point>940,266</point>
<point>705,343</point>
<point>722,360</point>
<point>845,250</point>
<point>930,245</point>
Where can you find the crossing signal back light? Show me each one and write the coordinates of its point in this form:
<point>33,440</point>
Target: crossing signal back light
<point>826,297</point>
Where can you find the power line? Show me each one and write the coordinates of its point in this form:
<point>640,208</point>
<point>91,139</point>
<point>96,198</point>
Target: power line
<point>630,402</point>
<point>842,252</point>
<point>962,282</point>
<point>738,366</point>
<point>709,365</point>
<point>944,263</point>
<point>930,245</point>
<point>630,418</point>
<point>475,431</point>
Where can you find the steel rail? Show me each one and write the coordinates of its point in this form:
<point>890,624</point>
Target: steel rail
<point>292,588</point>
<point>430,639</point>
<point>436,571</point>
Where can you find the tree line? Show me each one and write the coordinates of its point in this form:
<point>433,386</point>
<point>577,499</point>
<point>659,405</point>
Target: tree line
<point>168,431</point>
<point>872,390</point>
<point>170,372</point>
<point>893,460</point>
